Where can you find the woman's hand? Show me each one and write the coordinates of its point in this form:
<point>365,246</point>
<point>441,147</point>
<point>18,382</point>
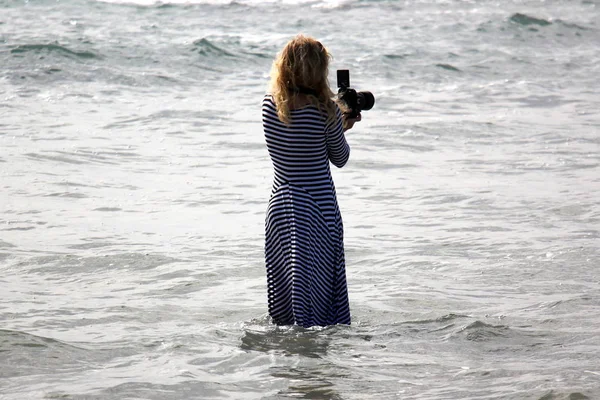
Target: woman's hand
<point>349,122</point>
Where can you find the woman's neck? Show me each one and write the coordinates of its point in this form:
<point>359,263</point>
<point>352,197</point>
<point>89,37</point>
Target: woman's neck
<point>300,101</point>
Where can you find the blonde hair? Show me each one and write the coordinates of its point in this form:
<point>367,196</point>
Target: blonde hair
<point>302,67</point>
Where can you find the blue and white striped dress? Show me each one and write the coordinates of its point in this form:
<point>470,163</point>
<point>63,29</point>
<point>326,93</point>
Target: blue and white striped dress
<point>304,247</point>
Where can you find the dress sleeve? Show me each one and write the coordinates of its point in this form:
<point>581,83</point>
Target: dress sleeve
<point>338,149</point>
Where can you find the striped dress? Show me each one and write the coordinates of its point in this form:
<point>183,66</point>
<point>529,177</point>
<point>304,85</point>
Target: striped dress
<point>304,246</point>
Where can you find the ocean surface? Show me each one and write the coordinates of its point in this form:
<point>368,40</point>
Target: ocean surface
<point>134,181</point>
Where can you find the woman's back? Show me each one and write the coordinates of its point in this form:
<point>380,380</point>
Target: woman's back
<point>301,151</point>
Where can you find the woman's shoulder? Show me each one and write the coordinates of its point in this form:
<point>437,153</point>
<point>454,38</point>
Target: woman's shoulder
<point>268,101</point>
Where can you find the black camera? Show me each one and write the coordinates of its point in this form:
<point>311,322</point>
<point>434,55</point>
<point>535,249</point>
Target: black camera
<point>355,101</point>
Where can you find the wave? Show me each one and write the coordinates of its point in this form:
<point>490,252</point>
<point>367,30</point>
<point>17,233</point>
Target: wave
<point>532,23</point>
<point>169,4</point>
<point>191,3</point>
<point>479,331</point>
<point>448,67</point>
<point>443,318</point>
<point>571,25</point>
<point>53,48</point>
<point>526,20</point>
<point>12,338</point>
<point>207,48</point>
<point>396,56</point>
<point>6,245</point>
<point>211,51</point>
<point>552,395</point>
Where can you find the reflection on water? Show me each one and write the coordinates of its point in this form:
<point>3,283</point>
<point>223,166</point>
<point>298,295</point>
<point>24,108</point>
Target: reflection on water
<point>306,366</point>
<point>308,382</point>
<point>289,341</point>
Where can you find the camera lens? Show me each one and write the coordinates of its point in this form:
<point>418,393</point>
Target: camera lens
<point>365,100</point>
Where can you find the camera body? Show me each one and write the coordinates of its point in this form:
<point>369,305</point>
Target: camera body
<point>355,101</point>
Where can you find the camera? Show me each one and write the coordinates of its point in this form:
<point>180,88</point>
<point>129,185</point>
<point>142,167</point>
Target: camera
<point>355,101</point>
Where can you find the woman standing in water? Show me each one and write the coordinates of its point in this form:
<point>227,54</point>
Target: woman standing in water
<point>304,248</point>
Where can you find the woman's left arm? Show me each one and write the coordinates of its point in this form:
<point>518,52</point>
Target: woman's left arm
<point>338,150</point>
<point>349,122</point>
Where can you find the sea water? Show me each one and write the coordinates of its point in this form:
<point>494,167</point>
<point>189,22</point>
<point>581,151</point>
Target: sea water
<point>135,180</point>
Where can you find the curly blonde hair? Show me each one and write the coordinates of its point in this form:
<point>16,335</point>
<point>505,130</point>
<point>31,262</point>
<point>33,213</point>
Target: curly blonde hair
<point>302,67</point>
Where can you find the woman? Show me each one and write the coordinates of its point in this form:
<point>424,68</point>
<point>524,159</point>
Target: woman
<point>304,248</point>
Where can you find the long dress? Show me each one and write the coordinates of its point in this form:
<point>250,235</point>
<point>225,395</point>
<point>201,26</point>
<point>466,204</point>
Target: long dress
<point>304,243</point>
